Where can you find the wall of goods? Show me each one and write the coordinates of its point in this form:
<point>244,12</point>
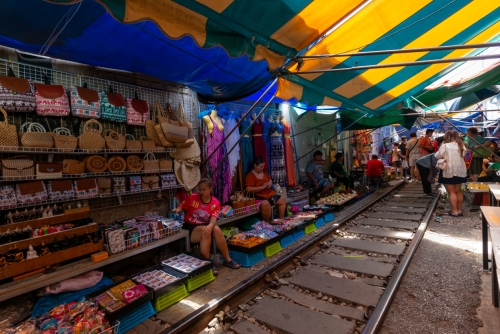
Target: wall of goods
<point>74,146</point>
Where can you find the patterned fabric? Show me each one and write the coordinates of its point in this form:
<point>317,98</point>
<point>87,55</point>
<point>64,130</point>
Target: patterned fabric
<point>31,197</point>
<point>111,112</point>
<point>266,133</point>
<point>221,177</point>
<point>136,118</point>
<point>58,106</point>
<point>197,212</point>
<point>86,193</point>
<point>135,184</point>
<point>246,148</point>
<point>278,172</point>
<point>288,148</point>
<point>82,108</point>
<point>7,196</point>
<point>62,195</point>
<point>230,143</point>
<point>259,144</point>
<point>118,184</point>
<point>18,102</point>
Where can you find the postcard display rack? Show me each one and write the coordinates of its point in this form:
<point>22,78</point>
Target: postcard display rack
<point>45,230</point>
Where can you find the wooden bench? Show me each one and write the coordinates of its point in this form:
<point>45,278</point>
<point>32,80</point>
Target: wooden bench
<point>491,222</point>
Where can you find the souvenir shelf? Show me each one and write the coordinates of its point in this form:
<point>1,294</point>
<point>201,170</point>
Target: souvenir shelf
<point>239,214</point>
<point>85,175</point>
<point>22,149</point>
<point>296,196</point>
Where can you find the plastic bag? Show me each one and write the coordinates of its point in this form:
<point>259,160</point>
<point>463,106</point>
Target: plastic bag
<point>83,281</point>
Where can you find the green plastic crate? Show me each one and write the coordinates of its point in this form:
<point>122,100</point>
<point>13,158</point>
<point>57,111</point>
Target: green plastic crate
<point>200,280</point>
<point>170,298</point>
<point>310,228</point>
<point>272,249</point>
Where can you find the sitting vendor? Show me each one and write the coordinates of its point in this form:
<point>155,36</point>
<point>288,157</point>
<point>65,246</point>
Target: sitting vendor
<point>259,183</point>
<point>315,173</point>
<point>339,171</point>
<point>200,215</point>
<point>491,171</point>
<point>374,167</point>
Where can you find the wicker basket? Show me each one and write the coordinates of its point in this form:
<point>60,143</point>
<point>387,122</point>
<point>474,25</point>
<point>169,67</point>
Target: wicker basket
<point>64,140</point>
<point>132,144</point>
<point>150,162</point>
<point>134,163</point>
<point>8,135</point>
<point>95,164</point>
<point>150,125</point>
<point>116,164</point>
<point>147,144</point>
<point>91,138</point>
<point>37,137</point>
<point>114,140</point>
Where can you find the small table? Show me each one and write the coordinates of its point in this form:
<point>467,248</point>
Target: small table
<point>490,218</point>
<point>495,264</point>
<point>494,194</point>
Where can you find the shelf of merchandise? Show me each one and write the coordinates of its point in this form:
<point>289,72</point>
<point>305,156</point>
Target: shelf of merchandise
<point>16,288</point>
<point>301,195</point>
<point>86,175</point>
<point>253,209</point>
<point>21,149</point>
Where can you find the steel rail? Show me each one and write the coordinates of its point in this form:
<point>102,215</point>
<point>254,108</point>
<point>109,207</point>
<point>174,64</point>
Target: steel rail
<point>246,283</point>
<point>382,308</point>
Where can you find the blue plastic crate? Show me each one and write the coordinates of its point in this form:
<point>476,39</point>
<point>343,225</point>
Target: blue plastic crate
<point>329,217</point>
<point>287,241</point>
<point>320,222</point>
<point>135,317</point>
<point>247,260</point>
<point>298,234</point>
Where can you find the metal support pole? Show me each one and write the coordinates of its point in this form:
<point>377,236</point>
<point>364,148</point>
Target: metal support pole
<point>241,120</point>
<point>383,52</point>
<point>404,64</point>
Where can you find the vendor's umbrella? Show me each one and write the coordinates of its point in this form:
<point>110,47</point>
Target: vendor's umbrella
<point>470,99</point>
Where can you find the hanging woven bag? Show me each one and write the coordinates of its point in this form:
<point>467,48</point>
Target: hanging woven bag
<point>91,138</point>
<point>114,140</point>
<point>8,134</point>
<point>150,126</point>
<point>147,145</point>
<point>36,136</point>
<point>150,163</point>
<point>64,141</point>
<point>132,144</point>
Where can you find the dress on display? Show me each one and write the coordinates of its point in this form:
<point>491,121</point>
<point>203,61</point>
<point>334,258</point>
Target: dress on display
<point>266,135</point>
<point>259,145</point>
<point>278,173</point>
<point>231,141</point>
<point>221,177</point>
<point>246,147</point>
<point>288,148</point>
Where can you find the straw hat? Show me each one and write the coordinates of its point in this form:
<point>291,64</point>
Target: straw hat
<point>187,173</point>
<point>185,153</point>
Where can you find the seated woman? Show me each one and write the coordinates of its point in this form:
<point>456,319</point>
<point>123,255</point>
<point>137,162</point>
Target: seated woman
<point>259,183</point>
<point>491,171</point>
<point>200,215</point>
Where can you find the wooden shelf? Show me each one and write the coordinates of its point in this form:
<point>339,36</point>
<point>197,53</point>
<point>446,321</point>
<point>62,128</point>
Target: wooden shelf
<point>36,223</point>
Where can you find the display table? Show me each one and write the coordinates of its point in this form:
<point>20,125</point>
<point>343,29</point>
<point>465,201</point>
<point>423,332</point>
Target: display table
<point>490,218</point>
<point>491,221</point>
<point>494,194</point>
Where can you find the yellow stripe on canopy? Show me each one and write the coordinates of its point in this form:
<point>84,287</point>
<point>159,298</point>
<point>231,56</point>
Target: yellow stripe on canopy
<point>288,90</point>
<point>313,21</point>
<point>331,102</point>
<point>432,70</point>
<point>218,5</point>
<point>438,35</point>
<point>371,23</point>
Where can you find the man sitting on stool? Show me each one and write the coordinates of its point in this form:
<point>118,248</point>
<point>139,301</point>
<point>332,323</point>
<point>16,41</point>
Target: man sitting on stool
<point>315,173</point>
<point>375,169</point>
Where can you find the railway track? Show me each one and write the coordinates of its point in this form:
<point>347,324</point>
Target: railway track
<point>343,281</point>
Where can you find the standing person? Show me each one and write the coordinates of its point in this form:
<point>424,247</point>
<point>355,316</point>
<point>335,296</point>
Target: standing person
<point>425,143</point>
<point>396,160</point>
<point>427,169</point>
<point>200,215</point>
<point>412,155</point>
<point>339,171</point>
<point>453,151</point>
<point>315,173</point>
<point>402,148</point>
<point>479,152</point>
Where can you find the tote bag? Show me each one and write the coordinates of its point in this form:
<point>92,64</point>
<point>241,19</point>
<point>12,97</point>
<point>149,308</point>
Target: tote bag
<point>113,107</point>
<point>137,112</point>
<point>85,103</point>
<point>51,100</point>
<point>16,94</point>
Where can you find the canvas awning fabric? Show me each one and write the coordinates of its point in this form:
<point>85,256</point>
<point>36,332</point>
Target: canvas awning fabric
<point>353,121</point>
<point>227,49</point>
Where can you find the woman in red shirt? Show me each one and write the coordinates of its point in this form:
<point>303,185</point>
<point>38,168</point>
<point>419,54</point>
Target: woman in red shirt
<point>200,215</point>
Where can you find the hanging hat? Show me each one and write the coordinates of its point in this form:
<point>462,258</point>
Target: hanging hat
<point>184,153</point>
<point>187,174</point>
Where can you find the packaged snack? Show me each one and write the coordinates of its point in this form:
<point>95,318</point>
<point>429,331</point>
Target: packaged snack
<point>118,290</point>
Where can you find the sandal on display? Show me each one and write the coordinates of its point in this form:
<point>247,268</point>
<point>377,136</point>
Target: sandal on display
<point>231,264</point>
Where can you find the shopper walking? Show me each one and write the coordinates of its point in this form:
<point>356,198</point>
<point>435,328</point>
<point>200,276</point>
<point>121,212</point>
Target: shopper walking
<point>396,160</point>
<point>425,143</point>
<point>427,169</point>
<point>453,151</point>
<point>412,154</point>
<point>404,161</point>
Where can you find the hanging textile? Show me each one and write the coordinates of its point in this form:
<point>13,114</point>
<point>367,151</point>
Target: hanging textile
<point>288,148</point>
<point>259,144</point>
<point>221,177</point>
<point>231,141</point>
<point>278,173</point>
<point>246,148</point>
<point>266,132</point>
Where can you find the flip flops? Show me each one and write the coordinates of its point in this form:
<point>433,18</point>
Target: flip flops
<point>231,264</point>
<point>449,214</point>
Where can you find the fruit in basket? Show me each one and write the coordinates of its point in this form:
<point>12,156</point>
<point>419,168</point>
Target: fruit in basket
<point>478,186</point>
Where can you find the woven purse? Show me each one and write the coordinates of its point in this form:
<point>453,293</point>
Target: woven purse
<point>150,182</point>
<point>104,185</point>
<point>147,144</point>
<point>150,163</point>
<point>160,114</point>
<point>8,135</point>
<point>134,163</point>
<point>91,138</point>
<point>132,144</point>
<point>70,166</point>
<point>18,167</point>
<point>174,130</point>
<point>116,164</point>
<point>150,125</point>
<point>36,136</point>
<point>48,170</point>
<point>64,141</point>
<point>85,103</point>
<point>51,100</point>
<point>114,140</point>
<point>165,164</point>
<point>95,164</point>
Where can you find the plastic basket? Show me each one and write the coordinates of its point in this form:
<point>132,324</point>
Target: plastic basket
<point>298,234</point>
<point>200,280</point>
<point>329,217</point>
<point>310,228</point>
<point>287,241</point>
<point>247,260</point>
<point>170,298</point>
<point>135,317</point>
<point>319,222</point>
<point>272,249</point>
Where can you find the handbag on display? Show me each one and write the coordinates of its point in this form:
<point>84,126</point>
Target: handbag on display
<point>28,192</point>
<point>36,136</point>
<point>113,107</point>
<point>249,198</point>
<point>60,189</point>
<point>184,122</point>
<point>70,166</point>
<point>113,140</point>
<point>18,167</point>
<point>147,144</point>
<point>118,184</point>
<point>64,141</point>
<point>238,201</point>
<point>167,180</point>
<point>165,164</point>
<point>135,184</point>
<point>150,182</point>
<point>85,188</point>
<point>150,126</point>
<point>48,170</point>
<point>116,164</point>
<point>132,144</point>
<point>91,138</point>
<point>95,164</point>
<point>104,185</point>
<point>137,111</point>
<point>51,100</point>
<point>150,163</point>
<point>158,112</point>
<point>134,163</point>
<point>7,196</point>
<point>8,133</point>
<point>85,103</point>
<point>173,130</point>
<point>17,94</point>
